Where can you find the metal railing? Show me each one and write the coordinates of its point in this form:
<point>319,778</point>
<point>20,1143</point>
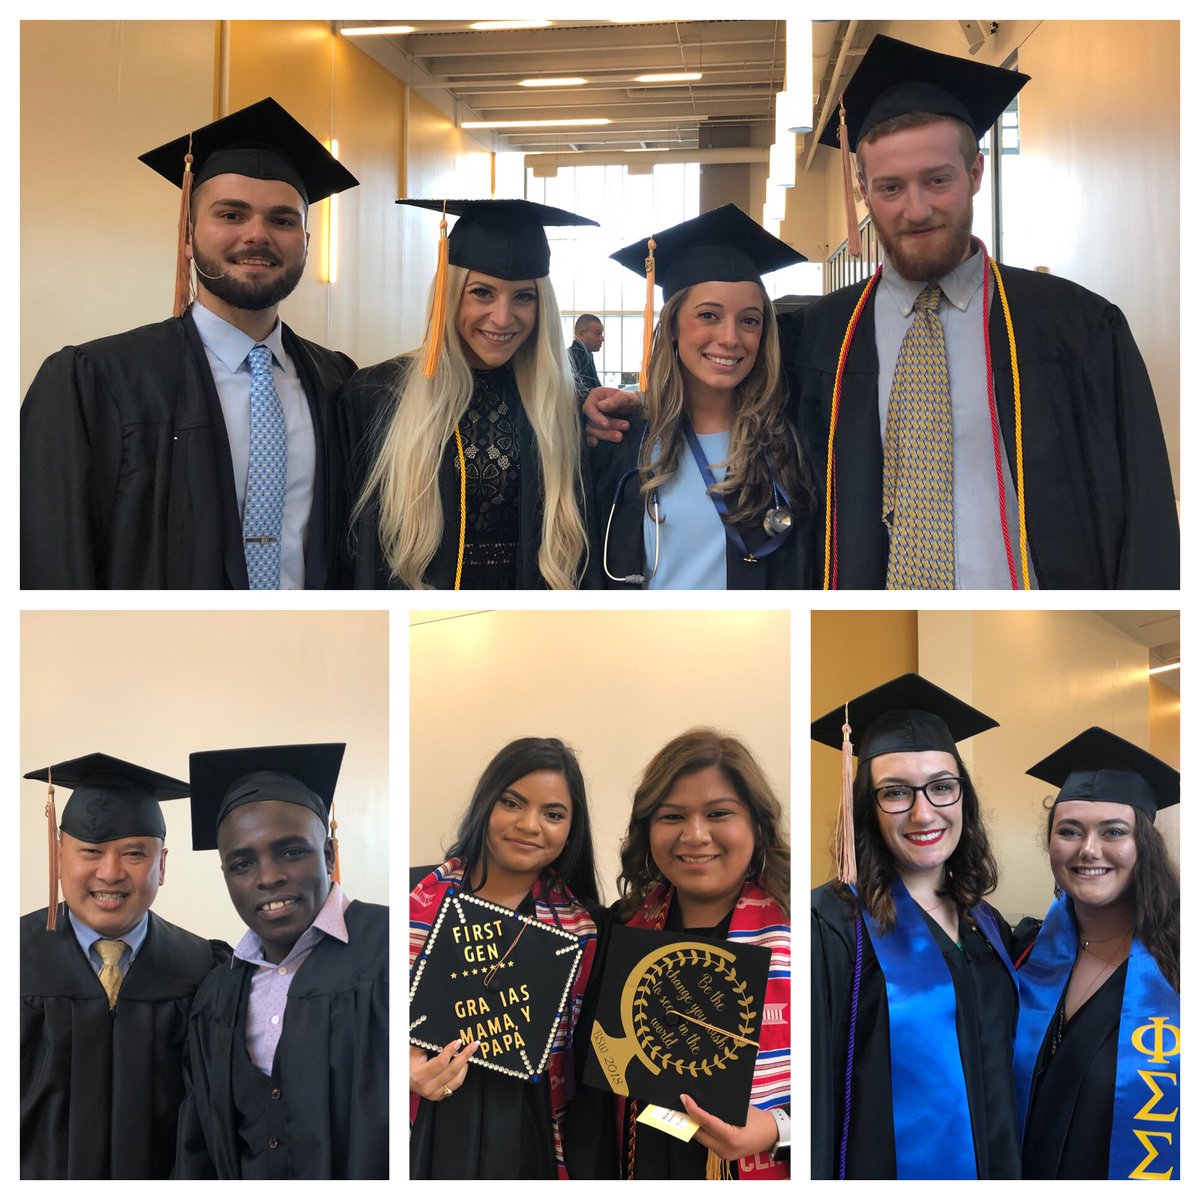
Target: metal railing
<point>842,270</point>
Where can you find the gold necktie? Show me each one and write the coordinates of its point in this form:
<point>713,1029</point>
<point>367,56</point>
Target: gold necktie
<point>111,975</point>
<point>918,456</point>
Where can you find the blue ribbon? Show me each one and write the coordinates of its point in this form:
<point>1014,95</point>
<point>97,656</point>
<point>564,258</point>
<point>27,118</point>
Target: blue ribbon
<point>1145,1130</point>
<point>929,1091</point>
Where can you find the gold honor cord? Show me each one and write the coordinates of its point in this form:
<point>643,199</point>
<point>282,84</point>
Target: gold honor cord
<point>745,1041</point>
<point>462,508</point>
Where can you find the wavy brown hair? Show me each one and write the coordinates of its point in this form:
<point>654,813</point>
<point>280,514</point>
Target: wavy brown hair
<point>693,751</point>
<point>762,444</point>
<point>1154,889</point>
<point>971,870</point>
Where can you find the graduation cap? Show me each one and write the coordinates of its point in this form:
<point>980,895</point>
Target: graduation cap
<point>679,1013</point>
<point>905,715</point>
<point>110,799</point>
<point>222,780</point>
<point>502,238</point>
<point>721,246</point>
<point>489,975</point>
<point>262,141</point>
<point>1099,765</point>
<point>896,78</point>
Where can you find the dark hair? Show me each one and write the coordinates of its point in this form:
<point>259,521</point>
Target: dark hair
<point>1154,891</point>
<point>693,751</point>
<point>584,320</point>
<point>970,871</point>
<point>968,141</point>
<point>576,865</point>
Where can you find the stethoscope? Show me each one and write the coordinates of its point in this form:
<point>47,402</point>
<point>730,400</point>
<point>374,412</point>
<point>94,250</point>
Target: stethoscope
<point>777,521</point>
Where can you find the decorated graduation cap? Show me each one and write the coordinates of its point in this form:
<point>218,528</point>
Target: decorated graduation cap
<point>907,714</point>
<point>721,246</point>
<point>502,238</point>
<point>1099,765</point>
<point>489,975</point>
<point>110,799</point>
<point>222,780</point>
<point>262,141</point>
<point>896,78</point>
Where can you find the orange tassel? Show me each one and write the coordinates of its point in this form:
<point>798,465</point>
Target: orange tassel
<point>853,241</point>
<point>183,268</point>
<point>647,317</point>
<point>436,332</point>
<point>843,842</point>
<point>52,839</point>
<point>336,873</point>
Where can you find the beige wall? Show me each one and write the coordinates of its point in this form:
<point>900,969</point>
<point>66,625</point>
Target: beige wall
<point>1045,676</point>
<point>482,679</point>
<point>150,687</point>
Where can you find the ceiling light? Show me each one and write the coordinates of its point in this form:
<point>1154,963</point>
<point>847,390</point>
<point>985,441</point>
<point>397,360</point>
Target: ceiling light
<point>565,123</point>
<point>572,82</point>
<point>377,30</point>
<point>669,77</point>
<point>510,24</point>
<point>1169,667</point>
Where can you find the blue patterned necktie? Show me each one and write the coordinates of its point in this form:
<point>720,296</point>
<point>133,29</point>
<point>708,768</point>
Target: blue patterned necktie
<point>918,456</point>
<point>267,474</point>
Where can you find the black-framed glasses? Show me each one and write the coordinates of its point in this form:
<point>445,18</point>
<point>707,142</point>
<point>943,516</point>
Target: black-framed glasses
<point>900,797</point>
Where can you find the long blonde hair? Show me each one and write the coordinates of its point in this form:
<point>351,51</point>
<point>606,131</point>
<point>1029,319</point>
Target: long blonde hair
<point>761,441</point>
<point>424,415</point>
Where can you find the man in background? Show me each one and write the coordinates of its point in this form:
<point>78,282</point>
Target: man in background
<point>589,337</point>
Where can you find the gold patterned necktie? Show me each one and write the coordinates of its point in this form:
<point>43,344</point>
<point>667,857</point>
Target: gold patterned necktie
<point>918,456</point>
<point>111,975</point>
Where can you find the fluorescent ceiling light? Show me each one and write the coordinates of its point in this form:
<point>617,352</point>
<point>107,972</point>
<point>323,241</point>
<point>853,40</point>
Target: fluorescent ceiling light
<point>377,30</point>
<point>510,24</point>
<point>1168,667</point>
<point>574,81</point>
<point>669,77</point>
<point>566,123</point>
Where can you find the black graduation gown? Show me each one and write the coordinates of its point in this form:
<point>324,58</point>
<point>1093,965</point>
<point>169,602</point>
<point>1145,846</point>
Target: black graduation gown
<point>789,566</point>
<point>1069,1128</point>
<point>101,1089</point>
<point>1100,510</point>
<point>126,474</point>
<point>366,409</point>
<point>986,1013</point>
<point>331,1062</point>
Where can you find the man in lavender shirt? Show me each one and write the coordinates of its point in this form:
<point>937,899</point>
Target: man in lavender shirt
<point>288,1048</point>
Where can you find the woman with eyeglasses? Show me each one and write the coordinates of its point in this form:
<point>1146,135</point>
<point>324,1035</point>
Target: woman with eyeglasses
<point>913,993</point>
<point>708,490</point>
<point>524,843</point>
<point>1098,1044</point>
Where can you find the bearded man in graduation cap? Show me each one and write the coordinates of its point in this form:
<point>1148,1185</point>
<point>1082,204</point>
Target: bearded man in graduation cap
<point>105,984</point>
<point>288,1048</point>
<point>198,453</point>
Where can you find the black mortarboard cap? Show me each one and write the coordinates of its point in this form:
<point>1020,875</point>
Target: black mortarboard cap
<point>263,141</point>
<point>111,798</point>
<point>222,780</point>
<point>1099,765</point>
<point>721,246</point>
<point>502,238</point>
<point>905,714</point>
<point>895,78</point>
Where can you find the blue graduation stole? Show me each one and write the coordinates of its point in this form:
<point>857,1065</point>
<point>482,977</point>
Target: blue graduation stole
<point>929,1091</point>
<point>1145,1132</point>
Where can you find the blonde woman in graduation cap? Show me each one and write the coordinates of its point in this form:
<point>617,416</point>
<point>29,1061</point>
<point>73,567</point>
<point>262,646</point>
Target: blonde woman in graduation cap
<point>1098,1043</point>
<point>914,999</point>
<point>466,451</point>
<point>708,491</point>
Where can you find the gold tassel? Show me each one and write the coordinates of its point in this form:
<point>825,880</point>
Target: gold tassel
<point>336,873</point>
<point>853,241</point>
<point>843,841</point>
<point>717,1167</point>
<point>52,839</point>
<point>436,332</point>
<point>647,318</point>
<point>183,267</point>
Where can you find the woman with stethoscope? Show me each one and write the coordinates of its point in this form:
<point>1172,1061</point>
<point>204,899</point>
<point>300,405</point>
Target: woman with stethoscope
<point>708,490</point>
